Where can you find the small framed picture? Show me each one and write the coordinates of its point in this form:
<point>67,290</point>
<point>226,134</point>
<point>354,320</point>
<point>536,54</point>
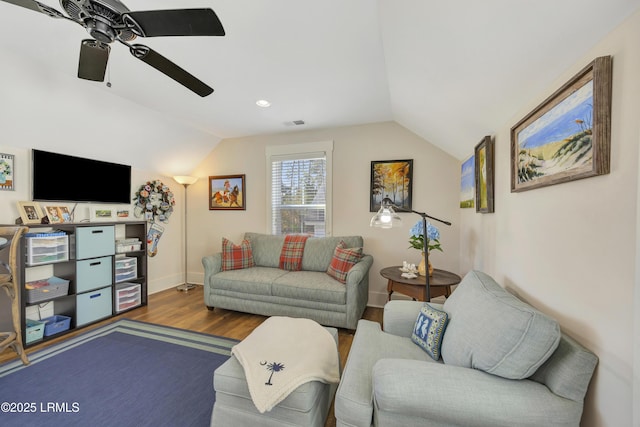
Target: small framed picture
<point>392,179</point>
<point>227,192</point>
<point>64,213</point>
<point>102,214</point>
<point>30,212</point>
<point>484,175</point>
<point>123,214</point>
<point>54,214</point>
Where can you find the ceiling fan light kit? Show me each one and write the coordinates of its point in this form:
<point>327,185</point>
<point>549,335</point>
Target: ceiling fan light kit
<point>107,21</point>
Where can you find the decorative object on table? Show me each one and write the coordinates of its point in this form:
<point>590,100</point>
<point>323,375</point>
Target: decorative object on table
<point>468,183</point>
<point>153,237</point>
<point>386,217</point>
<point>30,212</point>
<point>391,179</point>
<point>227,192</point>
<point>6,172</point>
<point>185,181</point>
<point>409,271</point>
<point>416,240</point>
<point>154,200</point>
<point>484,154</point>
<point>567,136</point>
<point>101,214</point>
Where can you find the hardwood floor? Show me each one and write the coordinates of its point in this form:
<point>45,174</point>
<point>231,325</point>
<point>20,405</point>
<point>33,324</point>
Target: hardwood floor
<point>186,310</point>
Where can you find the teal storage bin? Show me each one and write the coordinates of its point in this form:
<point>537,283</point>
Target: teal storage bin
<point>93,242</point>
<point>93,306</point>
<point>35,330</point>
<point>94,273</point>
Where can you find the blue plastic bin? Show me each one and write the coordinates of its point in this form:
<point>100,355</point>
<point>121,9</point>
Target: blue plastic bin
<point>56,324</point>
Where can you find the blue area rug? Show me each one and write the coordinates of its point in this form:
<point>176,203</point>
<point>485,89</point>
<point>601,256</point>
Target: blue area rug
<point>128,373</point>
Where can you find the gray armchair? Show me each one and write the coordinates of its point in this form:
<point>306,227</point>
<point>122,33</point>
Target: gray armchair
<point>389,380</point>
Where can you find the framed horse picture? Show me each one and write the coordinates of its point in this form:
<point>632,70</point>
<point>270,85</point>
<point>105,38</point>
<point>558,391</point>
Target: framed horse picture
<point>227,192</point>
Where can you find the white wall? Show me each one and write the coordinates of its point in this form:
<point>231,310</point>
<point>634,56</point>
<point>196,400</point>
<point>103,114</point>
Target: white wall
<point>569,249</point>
<point>436,191</point>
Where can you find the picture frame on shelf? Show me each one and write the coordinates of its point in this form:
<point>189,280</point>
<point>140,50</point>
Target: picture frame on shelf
<point>484,175</point>
<point>227,192</point>
<point>392,179</point>
<point>54,214</point>
<point>30,212</point>
<point>101,214</point>
<point>124,214</point>
<point>7,172</point>
<point>568,136</point>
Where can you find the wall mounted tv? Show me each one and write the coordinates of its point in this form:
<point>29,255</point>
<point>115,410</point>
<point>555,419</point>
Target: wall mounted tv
<point>64,178</point>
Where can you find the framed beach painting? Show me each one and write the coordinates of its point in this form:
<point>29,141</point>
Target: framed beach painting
<point>468,183</point>
<point>392,179</point>
<point>227,192</point>
<point>568,136</point>
<point>484,175</point>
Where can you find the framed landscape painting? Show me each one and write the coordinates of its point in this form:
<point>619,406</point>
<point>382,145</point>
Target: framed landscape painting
<point>568,136</point>
<point>468,183</point>
<point>227,192</point>
<point>484,175</point>
<point>392,179</point>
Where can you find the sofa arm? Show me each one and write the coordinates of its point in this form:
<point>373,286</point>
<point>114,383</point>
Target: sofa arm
<point>453,395</point>
<point>212,265</point>
<point>357,285</point>
<point>399,317</point>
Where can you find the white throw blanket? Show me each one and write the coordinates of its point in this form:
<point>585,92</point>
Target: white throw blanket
<point>283,353</point>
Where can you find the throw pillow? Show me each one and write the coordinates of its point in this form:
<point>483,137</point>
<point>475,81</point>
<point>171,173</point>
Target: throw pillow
<point>429,330</point>
<point>343,259</point>
<point>235,257</point>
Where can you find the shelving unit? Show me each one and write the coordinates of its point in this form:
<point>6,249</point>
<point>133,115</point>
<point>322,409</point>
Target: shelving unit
<point>103,280</point>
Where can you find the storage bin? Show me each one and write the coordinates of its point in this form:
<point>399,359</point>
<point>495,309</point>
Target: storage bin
<point>127,296</point>
<point>94,273</point>
<point>34,330</point>
<point>56,324</point>
<point>93,242</point>
<point>127,247</point>
<point>46,248</point>
<point>92,306</point>
<point>126,269</point>
<point>42,290</point>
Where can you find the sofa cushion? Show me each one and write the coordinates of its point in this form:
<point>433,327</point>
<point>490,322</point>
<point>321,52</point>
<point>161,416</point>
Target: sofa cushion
<point>236,256</point>
<point>493,331</point>
<point>429,330</point>
<point>343,259</point>
<point>309,286</point>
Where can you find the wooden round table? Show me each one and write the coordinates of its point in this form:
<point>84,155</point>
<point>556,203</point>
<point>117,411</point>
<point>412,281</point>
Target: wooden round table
<point>439,283</point>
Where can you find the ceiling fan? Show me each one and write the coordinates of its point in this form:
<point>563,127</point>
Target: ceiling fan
<point>110,20</point>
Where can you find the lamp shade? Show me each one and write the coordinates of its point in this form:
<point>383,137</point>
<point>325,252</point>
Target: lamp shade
<point>185,179</point>
<point>386,217</point>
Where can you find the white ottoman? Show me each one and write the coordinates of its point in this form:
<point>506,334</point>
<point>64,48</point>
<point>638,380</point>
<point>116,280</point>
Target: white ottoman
<point>307,406</point>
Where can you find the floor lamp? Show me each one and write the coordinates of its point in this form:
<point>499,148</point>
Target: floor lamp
<point>186,181</point>
<point>387,217</point>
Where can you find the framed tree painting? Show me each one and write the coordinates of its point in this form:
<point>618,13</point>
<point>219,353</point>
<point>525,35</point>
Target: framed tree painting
<point>392,179</point>
<point>484,174</point>
<point>227,192</point>
<point>468,183</point>
<point>568,136</point>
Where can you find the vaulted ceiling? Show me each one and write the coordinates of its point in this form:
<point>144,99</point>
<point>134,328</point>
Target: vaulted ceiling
<point>451,72</point>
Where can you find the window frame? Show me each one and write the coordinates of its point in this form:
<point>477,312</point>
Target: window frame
<point>302,150</point>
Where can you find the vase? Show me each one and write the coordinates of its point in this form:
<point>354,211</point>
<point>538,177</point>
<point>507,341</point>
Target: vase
<point>422,270</point>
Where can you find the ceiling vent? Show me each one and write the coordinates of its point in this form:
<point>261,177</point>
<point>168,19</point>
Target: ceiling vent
<point>294,123</point>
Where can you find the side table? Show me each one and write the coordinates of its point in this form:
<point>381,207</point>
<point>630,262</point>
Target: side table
<point>440,283</point>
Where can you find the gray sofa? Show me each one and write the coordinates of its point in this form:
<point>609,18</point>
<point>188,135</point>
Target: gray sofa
<point>539,375</point>
<point>269,291</point>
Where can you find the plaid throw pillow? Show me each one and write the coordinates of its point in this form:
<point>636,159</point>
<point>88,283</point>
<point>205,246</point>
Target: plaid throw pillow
<point>236,256</point>
<point>292,251</point>
<point>343,259</point>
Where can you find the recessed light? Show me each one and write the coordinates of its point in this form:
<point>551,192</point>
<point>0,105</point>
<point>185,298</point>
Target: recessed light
<point>263,103</point>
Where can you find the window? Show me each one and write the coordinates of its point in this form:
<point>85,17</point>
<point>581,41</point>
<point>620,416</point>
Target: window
<point>299,185</point>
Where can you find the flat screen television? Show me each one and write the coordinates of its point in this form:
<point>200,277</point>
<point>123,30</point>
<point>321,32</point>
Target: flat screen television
<point>64,178</point>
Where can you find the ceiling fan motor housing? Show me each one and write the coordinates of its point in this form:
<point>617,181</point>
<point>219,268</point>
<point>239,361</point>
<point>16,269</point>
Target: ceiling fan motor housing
<point>102,18</point>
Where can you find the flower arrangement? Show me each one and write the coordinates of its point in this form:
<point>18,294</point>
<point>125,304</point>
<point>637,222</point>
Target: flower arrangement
<point>416,239</point>
<point>155,200</point>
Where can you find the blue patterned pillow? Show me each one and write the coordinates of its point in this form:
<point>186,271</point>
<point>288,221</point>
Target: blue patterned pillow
<point>429,330</point>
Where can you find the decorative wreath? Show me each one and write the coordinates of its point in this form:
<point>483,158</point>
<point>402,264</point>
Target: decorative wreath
<point>154,200</point>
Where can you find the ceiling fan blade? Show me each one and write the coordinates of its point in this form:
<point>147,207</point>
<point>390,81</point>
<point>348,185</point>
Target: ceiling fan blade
<point>94,56</point>
<point>167,67</point>
<point>179,22</point>
<point>37,7</point>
